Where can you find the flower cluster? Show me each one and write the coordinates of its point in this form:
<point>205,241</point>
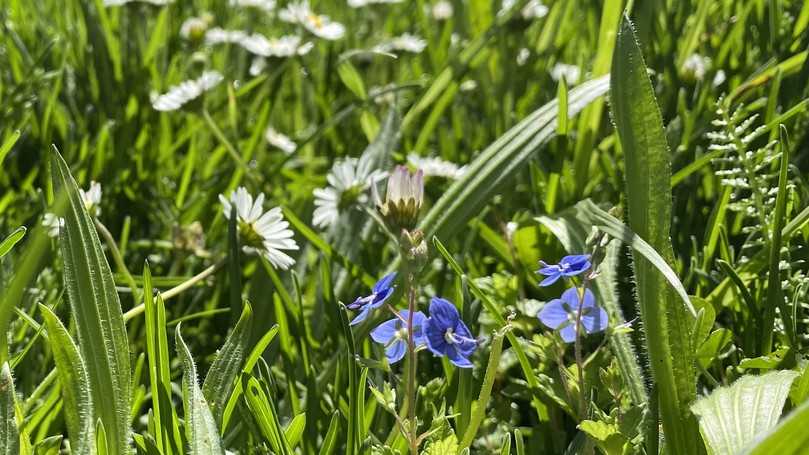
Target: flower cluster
<point>444,333</point>
<point>577,306</point>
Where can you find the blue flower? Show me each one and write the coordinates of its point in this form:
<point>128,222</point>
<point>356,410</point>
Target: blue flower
<point>560,314</point>
<point>447,335</point>
<point>381,291</point>
<point>568,266</point>
<point>393,334</point>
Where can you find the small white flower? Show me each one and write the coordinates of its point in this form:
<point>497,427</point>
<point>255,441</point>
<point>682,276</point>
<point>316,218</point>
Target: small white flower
<point>570,73</point>
<point>194,27</point>
<point>349,180</point>
<point>279,140</point>
<point>264,233</point>
<point>319,25</point>
<point>361,3</point>
<point>696,66</point>
<point>258,44</point>
<point>181,94</point>
<point>405,42</point>
<point>468,85</point>
<point>109,3</point>
<point>53,223</point>
<point>92,198</point>
<point>403,199</point>
<point>442,10</point>
<point>522,56</point>
<point>719,78</point>
<point>265,5</point>
<point>435,167</point>
<point>534,9</point>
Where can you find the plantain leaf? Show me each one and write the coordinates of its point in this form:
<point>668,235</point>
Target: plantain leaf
<point>730,418</point>
<point>74,384</point>
<point>200,427</point>
<point>501,161</point>
<point>789,437</point>
<point>97,311</point>
<point>225,369</point>
<point>9,434</point>
<point>666,323</point>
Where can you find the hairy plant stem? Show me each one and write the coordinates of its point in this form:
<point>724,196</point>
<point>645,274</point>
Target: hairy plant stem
<point>412,431</point>
<point>577,350</point>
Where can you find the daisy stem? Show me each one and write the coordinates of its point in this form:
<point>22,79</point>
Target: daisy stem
<point>412,433</point>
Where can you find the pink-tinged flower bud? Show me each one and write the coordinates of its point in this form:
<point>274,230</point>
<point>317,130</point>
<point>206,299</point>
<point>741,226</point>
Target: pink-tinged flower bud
<point>404,198</point>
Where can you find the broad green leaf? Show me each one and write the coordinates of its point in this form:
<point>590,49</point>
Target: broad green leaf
<point>97,311</point>
<point>730,418</point>
<point>789,437</point>
<point>200,427</point>
<point>501,161</point>
<point>74,384</point>
<point>9,434</point>
<point>666,323</point>
<point>220,379</point>
<point>8,243</point>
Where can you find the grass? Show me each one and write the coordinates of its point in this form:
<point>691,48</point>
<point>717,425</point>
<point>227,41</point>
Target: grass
<point>676,158</point>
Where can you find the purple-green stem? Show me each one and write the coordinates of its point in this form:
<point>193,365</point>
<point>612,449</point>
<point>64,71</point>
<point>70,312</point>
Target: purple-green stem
<point>577,350</point>
<point>412,432</point>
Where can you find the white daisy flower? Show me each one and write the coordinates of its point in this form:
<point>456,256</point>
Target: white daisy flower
<point>571,73</point>
<point>92,198</point>
<point>405,42</point>
<point>361,3</point>
<point>349,181</point>
<point>53,223</point>
<point>258,44</point>
<point>534,9</point>
<point>319,25</point>
<point>442,10</point>
<point>181,94</point>
<point>194,27</point>
<point>279,140</point>
<point>696,66</point>
<point>522,56</point>
<point>435,167</point>
<point>265,5</point>
<point>264,233</point>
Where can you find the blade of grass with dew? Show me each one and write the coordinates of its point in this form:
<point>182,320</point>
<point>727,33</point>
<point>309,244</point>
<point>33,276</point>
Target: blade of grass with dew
<point>218,384</point>
<point>200,428</point>
<point>646,157</point>
<point>97,311</point>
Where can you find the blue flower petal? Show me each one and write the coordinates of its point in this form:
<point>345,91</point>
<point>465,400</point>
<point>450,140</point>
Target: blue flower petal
<point>568,333</point>
<point>363,315</point>
<point>380,298</point>
<point>384,283</point>
<point>551,279</point>
<point>571,299</point>
<point>596,320</point>
<point>553,314</point>
<point>434,336</point>
<point>360,302</point>
<point>457,358</point>
<point>396,351</point>
<point>385,332</point>
<point>443,313</point>
<point>549,270</point>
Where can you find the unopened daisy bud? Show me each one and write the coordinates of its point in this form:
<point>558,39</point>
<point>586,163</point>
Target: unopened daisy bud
<point>405,195</point>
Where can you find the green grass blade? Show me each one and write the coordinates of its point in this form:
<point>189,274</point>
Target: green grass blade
<point>9,434</point>
<point>218,384</point>
<point>8,144</point>
<point>330,440</point>
<point>646,156</point>
<point>501,161</point>
<point>8,243</point>
<point>200,427</point>
<point>74,383</point>
<point>97,312</point>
